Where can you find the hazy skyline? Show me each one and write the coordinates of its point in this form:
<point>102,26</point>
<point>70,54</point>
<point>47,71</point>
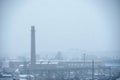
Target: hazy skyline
<point>61,25</point>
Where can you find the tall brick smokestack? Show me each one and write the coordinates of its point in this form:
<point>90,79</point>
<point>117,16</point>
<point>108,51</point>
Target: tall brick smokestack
<point>33,52</point>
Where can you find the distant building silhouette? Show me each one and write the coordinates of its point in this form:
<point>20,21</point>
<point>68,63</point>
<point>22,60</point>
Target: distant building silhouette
<point>59,56</point>
<point>59,69</point>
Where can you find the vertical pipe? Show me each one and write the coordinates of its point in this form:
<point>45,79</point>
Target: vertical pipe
<point>92,69</point>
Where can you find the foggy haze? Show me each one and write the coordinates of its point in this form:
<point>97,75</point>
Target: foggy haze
<point>61,25</point>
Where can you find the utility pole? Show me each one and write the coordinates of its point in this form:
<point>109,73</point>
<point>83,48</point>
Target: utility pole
<point>84,59</point>
<point>92,69</point>
<point>84,65</point>
<point>110,72</point>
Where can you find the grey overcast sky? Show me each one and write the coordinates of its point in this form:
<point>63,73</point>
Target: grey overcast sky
<point>90,25</point>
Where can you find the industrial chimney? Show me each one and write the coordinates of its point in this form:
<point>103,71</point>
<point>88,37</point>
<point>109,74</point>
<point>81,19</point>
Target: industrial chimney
<point>33,52</point>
